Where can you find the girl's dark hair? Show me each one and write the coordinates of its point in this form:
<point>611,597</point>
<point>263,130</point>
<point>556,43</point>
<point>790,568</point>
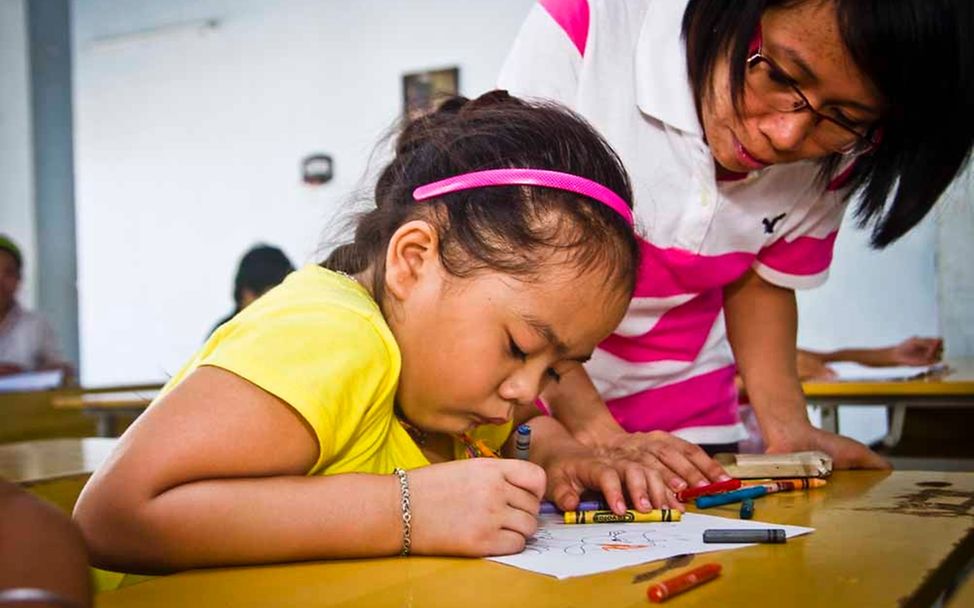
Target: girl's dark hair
<point>916,52</point>
<point>511,229</point>
<point>261,268</point>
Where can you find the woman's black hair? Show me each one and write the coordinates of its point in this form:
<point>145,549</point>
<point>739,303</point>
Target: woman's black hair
<point>261,268</point>
<point>914,52</point>
<point>511,229</point>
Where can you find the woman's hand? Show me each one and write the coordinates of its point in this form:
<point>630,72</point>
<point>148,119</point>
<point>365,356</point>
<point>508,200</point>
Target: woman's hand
<point>680,464</point>
<point>573,470</point>
<point>846,453</point>
<point>475,507</point>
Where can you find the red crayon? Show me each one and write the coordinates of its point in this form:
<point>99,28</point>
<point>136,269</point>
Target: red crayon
<point>660,592</point>
<point>714,488</point>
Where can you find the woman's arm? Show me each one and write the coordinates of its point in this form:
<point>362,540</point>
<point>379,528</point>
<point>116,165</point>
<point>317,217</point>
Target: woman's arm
<point>214,474</point>
<point>572,468</point>
<point>577,405</point>
<point>762,322</point>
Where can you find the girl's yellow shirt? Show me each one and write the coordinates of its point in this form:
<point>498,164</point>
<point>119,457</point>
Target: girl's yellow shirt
<point>319,342</point>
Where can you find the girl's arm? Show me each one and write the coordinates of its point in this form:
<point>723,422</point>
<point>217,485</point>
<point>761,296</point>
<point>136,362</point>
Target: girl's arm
<point>912,351</point>
<point>762,321</point>
<point>214,474</point>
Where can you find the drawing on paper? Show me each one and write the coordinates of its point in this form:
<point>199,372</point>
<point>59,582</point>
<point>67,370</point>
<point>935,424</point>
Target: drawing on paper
<point>563,550</point>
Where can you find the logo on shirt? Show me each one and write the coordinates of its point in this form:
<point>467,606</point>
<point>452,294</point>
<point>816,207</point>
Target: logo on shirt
<point>769,224</point>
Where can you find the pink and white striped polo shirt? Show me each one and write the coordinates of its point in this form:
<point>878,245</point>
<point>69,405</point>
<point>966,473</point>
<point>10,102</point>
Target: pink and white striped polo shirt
<point>622,65</point>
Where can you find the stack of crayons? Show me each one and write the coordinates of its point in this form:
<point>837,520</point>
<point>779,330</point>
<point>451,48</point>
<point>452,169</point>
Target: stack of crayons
<point>713,496</point>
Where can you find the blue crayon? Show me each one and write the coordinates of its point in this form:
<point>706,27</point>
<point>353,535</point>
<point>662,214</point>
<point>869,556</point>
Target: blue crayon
<point>586,505</point>
<point>522,442</point>
<point>715,500</point>
<point>747,508</point>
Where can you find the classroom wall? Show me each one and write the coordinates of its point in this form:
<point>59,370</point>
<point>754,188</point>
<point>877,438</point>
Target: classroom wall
<point>16,162</point>
<point>955,272</point>
<point>872,298</point>
<point>188,139</point>
<point>188,144</point>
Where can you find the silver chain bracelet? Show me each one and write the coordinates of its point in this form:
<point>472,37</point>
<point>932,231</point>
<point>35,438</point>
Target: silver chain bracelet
<point>407,513</point>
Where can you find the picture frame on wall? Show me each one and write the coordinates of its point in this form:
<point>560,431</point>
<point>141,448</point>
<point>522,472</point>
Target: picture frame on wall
<point>423,91</point>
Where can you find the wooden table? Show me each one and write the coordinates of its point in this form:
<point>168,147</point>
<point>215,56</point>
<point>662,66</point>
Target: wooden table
<point>881,539</point>
<point>955,388</point>
<point>55,469</point>
<point>108,406</point>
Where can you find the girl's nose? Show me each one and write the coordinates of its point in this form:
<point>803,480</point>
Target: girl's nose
<point>522,387</point>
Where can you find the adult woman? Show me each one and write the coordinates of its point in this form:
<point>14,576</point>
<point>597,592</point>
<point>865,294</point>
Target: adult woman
<point>746,126</point>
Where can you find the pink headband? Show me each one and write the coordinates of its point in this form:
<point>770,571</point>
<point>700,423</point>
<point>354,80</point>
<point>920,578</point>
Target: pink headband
<point>526,177</point>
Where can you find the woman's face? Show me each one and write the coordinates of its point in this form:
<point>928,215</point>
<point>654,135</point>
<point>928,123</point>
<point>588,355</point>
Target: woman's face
<point>804,40</point>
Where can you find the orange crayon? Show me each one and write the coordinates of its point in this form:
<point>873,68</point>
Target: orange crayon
<point>660,592</point>
<point>801,483</point>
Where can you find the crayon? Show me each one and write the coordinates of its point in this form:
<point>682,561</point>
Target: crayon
<point>522,442</point>
<point>747,535</point>
<point>664,590</point>
<point>715,500</point>
<point>586,505</point>
<point>713,488</point>
<point>801,483</point>
<point>747,508</point>
<point>608,517</point>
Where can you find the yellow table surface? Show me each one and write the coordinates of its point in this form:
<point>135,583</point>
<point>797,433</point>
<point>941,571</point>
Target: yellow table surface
<point>957,382</point>
<point>881,539</point>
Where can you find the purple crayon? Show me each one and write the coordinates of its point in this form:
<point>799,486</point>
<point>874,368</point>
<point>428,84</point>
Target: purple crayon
<point>586,505</point>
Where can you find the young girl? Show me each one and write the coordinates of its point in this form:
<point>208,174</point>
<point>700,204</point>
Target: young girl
<point>500,250</point>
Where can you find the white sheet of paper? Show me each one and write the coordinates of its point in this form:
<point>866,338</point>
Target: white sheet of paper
<point>566,550</point>
<point>31,381</point>
<point>847,371</point>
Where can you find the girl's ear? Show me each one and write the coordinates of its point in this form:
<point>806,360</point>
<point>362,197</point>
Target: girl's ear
<point>412,255</point>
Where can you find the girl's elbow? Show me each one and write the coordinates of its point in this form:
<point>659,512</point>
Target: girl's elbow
<point>115,536</point>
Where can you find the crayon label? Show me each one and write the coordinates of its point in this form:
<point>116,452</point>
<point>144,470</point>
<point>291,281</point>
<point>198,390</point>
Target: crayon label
<point>609,518</point>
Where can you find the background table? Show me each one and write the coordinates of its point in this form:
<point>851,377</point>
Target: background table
<point>54,469</point>
<point>33,415</point>
<point>881,539</point>
<point>955,388</point>
<point>108,406</point>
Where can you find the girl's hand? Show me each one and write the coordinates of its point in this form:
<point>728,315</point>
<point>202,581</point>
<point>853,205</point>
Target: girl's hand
<point>573,470</point>
<point>475,507</point>
<point>917,351</point>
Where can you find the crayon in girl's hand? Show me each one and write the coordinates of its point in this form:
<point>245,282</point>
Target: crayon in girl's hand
<point>522,442</point>
<point>662,591</point>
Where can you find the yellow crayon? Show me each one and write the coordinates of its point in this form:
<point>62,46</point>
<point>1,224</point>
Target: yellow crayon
<point>608,517</point>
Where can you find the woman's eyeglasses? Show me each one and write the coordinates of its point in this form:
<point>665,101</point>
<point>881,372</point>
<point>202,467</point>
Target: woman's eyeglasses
<point>778,90</point>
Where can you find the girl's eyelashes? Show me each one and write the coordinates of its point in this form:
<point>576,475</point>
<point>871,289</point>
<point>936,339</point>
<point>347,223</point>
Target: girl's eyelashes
<point>516,350</point>
<point>518,353</point>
